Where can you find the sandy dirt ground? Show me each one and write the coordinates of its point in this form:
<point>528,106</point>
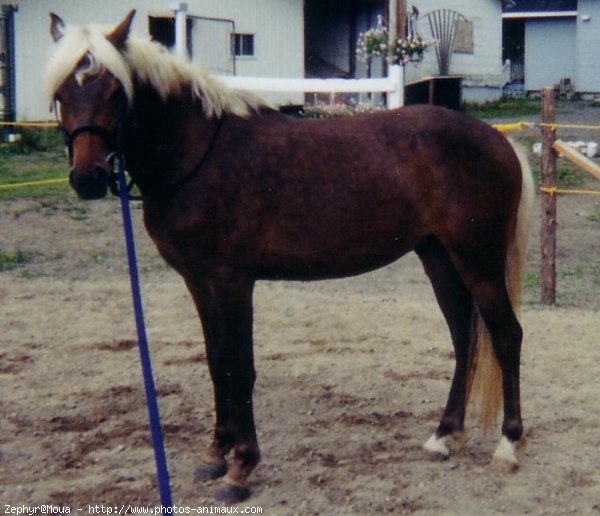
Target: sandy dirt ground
<point>353,376</point>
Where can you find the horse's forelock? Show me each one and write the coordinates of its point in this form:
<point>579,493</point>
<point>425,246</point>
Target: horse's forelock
<point>78,43</point>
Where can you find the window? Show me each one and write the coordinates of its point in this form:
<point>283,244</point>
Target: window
<point>243,45</point>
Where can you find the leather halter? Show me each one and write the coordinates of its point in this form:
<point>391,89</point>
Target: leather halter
<point>69,137</point>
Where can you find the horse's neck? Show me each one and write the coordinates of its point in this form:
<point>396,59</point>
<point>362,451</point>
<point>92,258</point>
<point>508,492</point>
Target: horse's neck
<point>165,140</point>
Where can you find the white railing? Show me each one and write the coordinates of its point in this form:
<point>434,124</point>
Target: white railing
<point>393,85</point>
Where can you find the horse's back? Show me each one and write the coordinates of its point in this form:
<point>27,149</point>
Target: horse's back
<point>408,145</point>
<point>421,166</point>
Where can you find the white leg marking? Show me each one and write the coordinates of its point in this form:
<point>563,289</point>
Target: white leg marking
<point>437,445</point>
<point>505,457</point>
<point>506,451</point>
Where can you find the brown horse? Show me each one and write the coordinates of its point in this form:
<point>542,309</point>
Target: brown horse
<point>234,192</point>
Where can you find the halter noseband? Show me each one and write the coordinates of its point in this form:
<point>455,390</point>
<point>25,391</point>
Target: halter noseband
<point>69,137</point>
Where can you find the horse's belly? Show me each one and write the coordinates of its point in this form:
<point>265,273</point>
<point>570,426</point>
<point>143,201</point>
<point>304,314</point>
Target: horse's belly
<point>332,256</point>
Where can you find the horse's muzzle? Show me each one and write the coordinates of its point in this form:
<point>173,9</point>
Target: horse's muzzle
<point>90,185</point>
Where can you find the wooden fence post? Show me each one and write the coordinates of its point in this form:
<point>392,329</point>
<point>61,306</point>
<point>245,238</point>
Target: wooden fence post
<point>548,222</point>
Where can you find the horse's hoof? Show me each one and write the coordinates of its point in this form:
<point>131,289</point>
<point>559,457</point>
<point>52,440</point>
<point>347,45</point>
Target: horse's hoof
<point>435,455</point>
<point>208,471</point>
<point>232,493</point>
<point>436,448</point>
<point>505,457</point>
<point>506,467</point>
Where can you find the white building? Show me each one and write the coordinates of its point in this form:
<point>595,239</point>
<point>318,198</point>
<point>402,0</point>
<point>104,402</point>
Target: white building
<point>477,52</point>
<point>332,27</point>
<point>263,38</point>
<point>269,36</point>
<point>554,41</point>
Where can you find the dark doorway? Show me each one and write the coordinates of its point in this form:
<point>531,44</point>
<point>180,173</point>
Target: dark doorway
<point>330,34</point>
<point>513,48</point>
<point>7,65</point>
<point>162,30</point>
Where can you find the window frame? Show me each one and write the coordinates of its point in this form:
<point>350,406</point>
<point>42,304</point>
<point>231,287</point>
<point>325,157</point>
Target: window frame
<point>240,42</point>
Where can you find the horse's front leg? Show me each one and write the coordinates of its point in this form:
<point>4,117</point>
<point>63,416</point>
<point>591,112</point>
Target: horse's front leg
<point>225,307</point>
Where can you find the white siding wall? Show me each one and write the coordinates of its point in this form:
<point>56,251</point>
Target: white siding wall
<point>549,52</point>
<point>278,26</point>
<point>588,47</point>
<point>486,16</point>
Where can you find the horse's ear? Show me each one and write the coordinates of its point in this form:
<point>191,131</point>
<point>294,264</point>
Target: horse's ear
<point>57,27</point>
<point>119,35</point>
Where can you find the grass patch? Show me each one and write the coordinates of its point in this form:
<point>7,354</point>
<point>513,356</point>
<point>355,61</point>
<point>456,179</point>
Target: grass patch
<point>595,215</point>
<point>37,167</point>
<point>596,275</point>
<point>33,140</point>
<point>504,108</point>
<point>531,284</point>
<point>38,156</point>
<point>531,280</point>
<point>12,261</point>
<point>567,173</point>
<point>574,273</point>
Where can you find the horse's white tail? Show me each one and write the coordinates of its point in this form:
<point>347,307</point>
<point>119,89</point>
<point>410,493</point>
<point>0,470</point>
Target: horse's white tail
<point>485,381</point>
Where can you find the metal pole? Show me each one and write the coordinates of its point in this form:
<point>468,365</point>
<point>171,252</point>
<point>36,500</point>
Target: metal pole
<point>180,9</point>
<point>393,19</point>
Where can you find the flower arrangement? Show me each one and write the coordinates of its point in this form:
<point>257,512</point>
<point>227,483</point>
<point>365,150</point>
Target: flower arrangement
<point>376,43</point>
<point>339,110</point>
<point>404,50</point>
<point>373,43</point>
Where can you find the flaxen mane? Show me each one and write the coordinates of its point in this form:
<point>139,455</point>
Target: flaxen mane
<point>147,62</point>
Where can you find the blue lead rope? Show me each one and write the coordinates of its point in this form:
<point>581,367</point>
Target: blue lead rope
<point>157,438</point>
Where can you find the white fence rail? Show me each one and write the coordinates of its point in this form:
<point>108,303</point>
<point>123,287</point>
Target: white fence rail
<point>393,85</point>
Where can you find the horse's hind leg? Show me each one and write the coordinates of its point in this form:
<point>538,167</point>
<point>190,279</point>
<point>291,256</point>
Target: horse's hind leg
<point>456,304</point>
<point>496,310</point>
